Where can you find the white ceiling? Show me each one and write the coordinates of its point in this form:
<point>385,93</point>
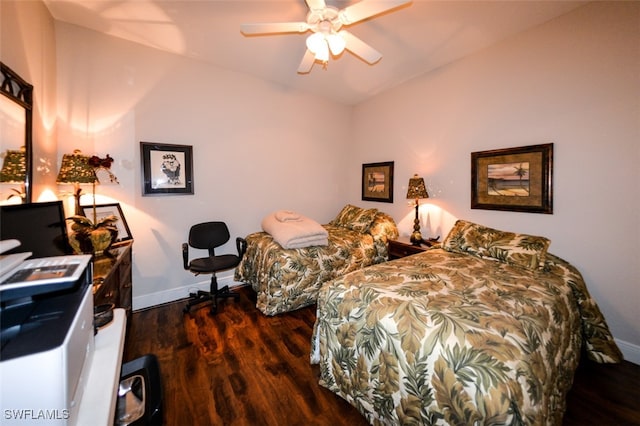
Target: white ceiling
<point>413,38</point>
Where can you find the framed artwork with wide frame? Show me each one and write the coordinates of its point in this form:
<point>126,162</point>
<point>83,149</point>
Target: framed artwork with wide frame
<point>111,209</point>
<point>166,169</point>
<point>513,179</point>
<point>377,182</point>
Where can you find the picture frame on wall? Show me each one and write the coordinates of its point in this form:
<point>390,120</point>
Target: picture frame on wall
<point>166,169</point>
<point>513,179</point>
<point>110,209</point>
<point>377,182</point>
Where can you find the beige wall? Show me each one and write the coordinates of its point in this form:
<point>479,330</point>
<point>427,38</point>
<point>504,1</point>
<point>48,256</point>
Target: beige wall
<point>574,81</point>
<point>28,46</point>
<point>257,147</point>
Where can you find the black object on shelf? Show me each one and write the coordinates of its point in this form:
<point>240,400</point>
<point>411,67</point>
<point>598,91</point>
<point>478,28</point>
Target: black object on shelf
<point>102,315</point>
<point>140,393</point>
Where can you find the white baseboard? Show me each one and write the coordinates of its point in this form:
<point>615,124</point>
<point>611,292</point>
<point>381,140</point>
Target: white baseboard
<point>630,351</point>
<point>166,296</point>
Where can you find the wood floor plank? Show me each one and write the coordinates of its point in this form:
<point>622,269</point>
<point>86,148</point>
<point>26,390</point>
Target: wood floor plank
<point>241,367</point>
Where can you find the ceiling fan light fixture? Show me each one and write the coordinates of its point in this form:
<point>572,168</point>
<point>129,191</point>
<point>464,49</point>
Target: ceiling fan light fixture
<point>316,42</point>
<point>336,43</point>
<point>322,54</point>
<point>328,37</point>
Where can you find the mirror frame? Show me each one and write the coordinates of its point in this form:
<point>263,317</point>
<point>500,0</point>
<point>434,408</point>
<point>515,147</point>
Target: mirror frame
<point>18,90</point>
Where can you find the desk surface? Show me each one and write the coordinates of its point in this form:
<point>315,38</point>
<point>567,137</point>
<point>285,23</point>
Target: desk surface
<point>98,404</point>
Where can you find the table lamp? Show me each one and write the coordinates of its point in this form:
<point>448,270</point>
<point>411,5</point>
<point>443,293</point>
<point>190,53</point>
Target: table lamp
<point>14,169</point>
<point>415,191</point>
<point>75,169</point>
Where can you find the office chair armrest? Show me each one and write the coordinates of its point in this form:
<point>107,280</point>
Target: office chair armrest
<point>241,245</point>
<point>185,255</point>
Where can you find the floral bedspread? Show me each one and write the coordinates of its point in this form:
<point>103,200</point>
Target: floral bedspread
<point>285,280</point>
<point>450,338</point>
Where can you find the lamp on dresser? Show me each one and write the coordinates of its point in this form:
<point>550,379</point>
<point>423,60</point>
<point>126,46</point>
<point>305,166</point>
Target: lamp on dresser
<point>415,191</point>
<point>75,169</point>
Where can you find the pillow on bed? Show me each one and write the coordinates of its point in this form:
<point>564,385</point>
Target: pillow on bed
<point>384,227</point>
<point>527,251</point>
<point>355,218</point>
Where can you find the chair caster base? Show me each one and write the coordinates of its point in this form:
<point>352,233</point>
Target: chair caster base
<point>203,296</point>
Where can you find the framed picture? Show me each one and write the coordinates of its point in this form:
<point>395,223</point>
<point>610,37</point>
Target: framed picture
<point>113,209</point>
<point>514,179</point>
<point>377,182</point>
<point>166,169</point>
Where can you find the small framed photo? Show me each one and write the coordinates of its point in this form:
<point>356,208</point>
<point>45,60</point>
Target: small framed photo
<point>377,182</point>
<point>166,169</point>
<point>113,209</point>
<point>513,179</point>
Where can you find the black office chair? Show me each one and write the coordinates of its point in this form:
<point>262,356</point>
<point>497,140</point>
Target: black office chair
<point>210,235</point>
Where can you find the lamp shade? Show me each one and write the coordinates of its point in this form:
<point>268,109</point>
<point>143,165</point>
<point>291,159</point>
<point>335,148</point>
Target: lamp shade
<point>321,43</point>
<point>336,43</point>
<point>314,42</point>
<point>416,188</point>
<point>322,54</point>
<point>75,168</point>
<point>14,167</point>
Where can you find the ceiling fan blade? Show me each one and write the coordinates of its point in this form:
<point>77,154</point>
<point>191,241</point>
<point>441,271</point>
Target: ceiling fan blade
<point>360,48</point>
<point>368,8</point>
<point>274,28</point>
<point>307,62</point>
<point>316,4</point>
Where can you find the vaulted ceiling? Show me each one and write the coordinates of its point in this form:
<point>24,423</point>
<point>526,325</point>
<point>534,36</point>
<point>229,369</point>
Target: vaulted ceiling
<point>413,39</point>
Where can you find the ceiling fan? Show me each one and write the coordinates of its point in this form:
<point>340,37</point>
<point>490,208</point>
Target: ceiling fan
<point>326,22</point>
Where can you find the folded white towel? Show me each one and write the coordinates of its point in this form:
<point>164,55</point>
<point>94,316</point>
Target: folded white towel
<point>304,232</point>
<point>307,242</point>
<point>287,215</point>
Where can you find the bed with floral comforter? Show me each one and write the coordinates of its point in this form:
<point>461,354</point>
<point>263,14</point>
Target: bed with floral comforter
<point>289,279</point>
<point>487,329</point>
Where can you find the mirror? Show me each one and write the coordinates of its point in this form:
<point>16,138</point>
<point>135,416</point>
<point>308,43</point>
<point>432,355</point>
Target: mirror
<point>16,115</point>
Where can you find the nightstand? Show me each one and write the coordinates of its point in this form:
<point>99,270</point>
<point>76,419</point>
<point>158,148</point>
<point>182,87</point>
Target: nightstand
<point>402,247</point>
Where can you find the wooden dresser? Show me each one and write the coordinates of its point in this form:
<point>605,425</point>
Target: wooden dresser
<point>112,278</point>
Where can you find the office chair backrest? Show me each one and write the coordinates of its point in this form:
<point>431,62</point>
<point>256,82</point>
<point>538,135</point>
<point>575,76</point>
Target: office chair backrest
<point>208,235</point>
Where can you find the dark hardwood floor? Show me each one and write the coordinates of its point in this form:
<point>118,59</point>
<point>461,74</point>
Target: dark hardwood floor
<point>241,367</point>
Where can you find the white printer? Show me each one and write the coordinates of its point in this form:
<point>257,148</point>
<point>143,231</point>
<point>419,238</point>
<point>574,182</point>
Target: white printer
<point>47,336</point>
